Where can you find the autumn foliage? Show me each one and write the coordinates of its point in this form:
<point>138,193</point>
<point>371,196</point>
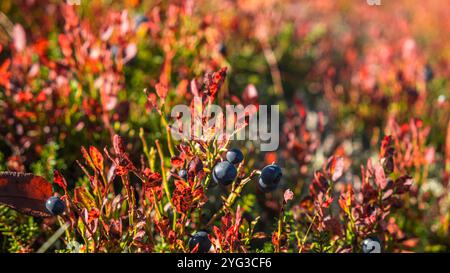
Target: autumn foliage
<point>86,94</point>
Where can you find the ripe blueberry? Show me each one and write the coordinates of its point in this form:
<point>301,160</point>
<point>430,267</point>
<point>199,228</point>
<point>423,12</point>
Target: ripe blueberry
<point>269,178</point>
<point>223,49</point>
<point>224,173</point>
<point>183,174</point>
<point>235,156</point>
<point>55,205</point>
<point>201,239</point>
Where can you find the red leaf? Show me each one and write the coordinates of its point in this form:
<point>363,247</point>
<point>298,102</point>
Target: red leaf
<point>319,184</point>
<point>64,43</point>
<point>4,73</point>
<point>386,150</point>
<point>118,145</point>
<point>153,179</point>
<point>87,157</point>
<point>335,167</point>
<point>307,203</point>
<point>380,177</point>
<point>161,90</point>
<point>25,192</point>
<point>59,179</point>
<point>97,158</point>
<point>176,161</point>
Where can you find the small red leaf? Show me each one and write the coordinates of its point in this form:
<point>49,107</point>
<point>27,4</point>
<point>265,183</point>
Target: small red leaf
<point>153,179</point>
<point>176,161</point>
<point>335,167</point>
<point>87,157</point>
<point>161,90</point>
<point>386,144</point>
<point>97,158</point>
<point>25,192</point>
<point>59,179</point>
<point>380,177</point>
<point>65,45</point>
<point>118,145</point>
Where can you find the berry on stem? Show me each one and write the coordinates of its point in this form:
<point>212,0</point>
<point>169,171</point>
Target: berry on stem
<point>183,174</point>
<point>224,173</point>
<point>270,178</point>
<point>234,156</point>
<point>55,205</point>
<point>201,239</point>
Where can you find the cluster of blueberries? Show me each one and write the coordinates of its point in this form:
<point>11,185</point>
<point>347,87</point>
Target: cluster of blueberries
<point>224,173</point>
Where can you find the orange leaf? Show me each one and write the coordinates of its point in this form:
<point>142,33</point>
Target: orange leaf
<point>97,158</point>
<point>176,161</point>
<point>87,157</point>
<point>161,90</point>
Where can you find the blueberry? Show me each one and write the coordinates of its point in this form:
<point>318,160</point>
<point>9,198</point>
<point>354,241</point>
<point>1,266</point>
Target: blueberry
<point>183,174</point>
<point>201,239</point>
<point>371,245</point>
<point>55,205</point>
<point>223,49</point>
<point>235,156</point>
<point>270,178</point>
<point>428,73</point>
<point>224,173</point>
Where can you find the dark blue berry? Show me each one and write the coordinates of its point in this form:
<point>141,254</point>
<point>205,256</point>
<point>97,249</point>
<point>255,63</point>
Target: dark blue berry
<point>428,73</point>
<point>270,178</point>
<point>223,49</point>
<point>235,156</point>
<point>224,173</point>
<point>55,205</point>
<point>183,174</point>
<point>201,239</point>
